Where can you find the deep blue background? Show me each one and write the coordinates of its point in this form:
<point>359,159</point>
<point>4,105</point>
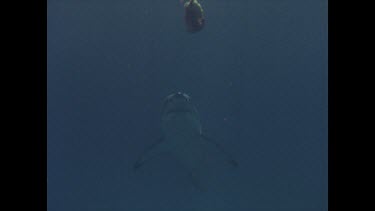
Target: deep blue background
<point>257,74</point>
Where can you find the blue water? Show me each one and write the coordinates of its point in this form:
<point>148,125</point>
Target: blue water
<point>257,73</point>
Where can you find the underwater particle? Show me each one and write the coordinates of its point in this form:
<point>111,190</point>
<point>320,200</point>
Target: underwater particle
<point>194,18</point>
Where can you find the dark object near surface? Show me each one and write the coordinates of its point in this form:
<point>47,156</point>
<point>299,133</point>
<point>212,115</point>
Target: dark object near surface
<point>194,18</point>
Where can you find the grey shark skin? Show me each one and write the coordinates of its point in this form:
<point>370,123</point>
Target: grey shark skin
<point>183,137</point>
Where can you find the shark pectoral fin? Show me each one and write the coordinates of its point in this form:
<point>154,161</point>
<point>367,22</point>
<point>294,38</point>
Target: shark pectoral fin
<point>154,150</point>
<point>229,157</point>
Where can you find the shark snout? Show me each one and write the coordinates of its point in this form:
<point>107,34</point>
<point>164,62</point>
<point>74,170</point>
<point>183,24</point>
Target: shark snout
<point>178,96</point>
<point>177,102</point>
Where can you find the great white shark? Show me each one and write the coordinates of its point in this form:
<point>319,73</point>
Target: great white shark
<point>182,136</point>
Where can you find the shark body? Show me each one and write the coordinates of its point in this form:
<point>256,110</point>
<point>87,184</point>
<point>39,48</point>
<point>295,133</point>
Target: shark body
<point>183,137</point>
